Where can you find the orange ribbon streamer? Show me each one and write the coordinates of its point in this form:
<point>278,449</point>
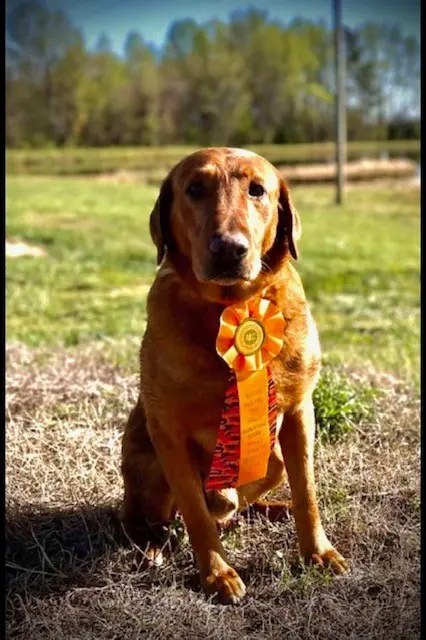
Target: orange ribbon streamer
<point>250,335</point>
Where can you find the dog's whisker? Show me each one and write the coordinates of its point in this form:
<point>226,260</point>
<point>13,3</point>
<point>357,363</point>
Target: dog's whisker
<point>265,266</point>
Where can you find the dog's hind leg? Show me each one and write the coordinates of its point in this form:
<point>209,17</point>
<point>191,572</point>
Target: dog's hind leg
<point>222,504</point>
<point>251,496</point>
<point>148,503</point>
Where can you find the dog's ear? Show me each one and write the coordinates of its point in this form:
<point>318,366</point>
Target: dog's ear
<point>159,220</point>
<point>289,221</point>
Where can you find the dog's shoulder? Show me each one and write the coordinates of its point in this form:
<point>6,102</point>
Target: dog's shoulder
<point>297,368</point>
<point>181,328</point>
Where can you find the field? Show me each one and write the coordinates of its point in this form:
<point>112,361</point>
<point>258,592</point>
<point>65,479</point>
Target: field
<point>74,319</point>
<point>154,161</point>
<point>360,266</point>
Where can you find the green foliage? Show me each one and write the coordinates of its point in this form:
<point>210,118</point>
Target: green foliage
<point>245,81</point>
<point>383,72</point>
<point>339,404</point>
<point>304,578</point>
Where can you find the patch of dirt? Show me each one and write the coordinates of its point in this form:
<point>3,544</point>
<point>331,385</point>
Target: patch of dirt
<point>361,170</point>
<point>127,176</point>
<point>398,184</point>
<point>70,568</point>
<point>17,249</point>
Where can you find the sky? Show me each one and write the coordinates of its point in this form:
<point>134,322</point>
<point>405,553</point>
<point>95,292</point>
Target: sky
<point>152,19</point>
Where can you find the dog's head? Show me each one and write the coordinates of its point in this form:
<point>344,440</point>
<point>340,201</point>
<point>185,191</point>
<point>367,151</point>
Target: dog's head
<point>225,215</point>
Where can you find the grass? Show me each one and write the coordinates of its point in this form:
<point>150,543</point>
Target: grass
<point>360,267</point>
<point>101,260</point>
<point>340,404</point>
<point>70,570</point>
<point>359,264</point>
<point>74,321</point>
<point>153,159</point>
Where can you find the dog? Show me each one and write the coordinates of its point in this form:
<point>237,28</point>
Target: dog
<point>226,230</point>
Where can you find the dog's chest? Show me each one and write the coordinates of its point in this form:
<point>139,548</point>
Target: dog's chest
<point>191,378</point>
<point>203,406</point>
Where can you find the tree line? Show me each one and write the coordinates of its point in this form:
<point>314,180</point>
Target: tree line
<point>246,81</point>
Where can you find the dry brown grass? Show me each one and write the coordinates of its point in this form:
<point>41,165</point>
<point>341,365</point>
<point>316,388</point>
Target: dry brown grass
<point>70,567</point>
<point>360,170</point>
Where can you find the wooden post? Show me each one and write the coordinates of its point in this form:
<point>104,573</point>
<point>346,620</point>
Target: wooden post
<point>340,100</point>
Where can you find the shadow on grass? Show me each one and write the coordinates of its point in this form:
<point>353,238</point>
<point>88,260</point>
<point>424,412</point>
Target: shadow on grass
<point>50,552</point>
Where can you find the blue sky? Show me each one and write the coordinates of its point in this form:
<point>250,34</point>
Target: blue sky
<point>152,19</point>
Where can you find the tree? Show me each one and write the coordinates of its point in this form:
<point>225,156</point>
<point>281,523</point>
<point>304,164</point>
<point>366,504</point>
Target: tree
<point>143,89</point>
<point>212,75</point>
<point>102,97</point>
<point>246,81</point>
<point>38,43</point>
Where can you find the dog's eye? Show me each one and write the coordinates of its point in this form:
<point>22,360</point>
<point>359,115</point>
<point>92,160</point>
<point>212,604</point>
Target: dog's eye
<point>195,190</point>
<point>256,190</point>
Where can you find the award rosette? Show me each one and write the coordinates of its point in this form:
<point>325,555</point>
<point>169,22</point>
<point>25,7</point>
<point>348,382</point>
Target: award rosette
<point>250,335</point>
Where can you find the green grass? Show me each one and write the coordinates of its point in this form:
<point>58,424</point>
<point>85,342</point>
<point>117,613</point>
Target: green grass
<point>359,264</point>
<point>361,269</point>
<point>339,404</point>
<point>100,260</point>
<point>160,159</point>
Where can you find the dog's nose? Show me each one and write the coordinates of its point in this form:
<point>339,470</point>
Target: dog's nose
<point>229,248</point>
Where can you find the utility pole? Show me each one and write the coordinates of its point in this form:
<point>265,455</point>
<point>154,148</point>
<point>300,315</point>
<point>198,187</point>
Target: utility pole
<point>339,47</point>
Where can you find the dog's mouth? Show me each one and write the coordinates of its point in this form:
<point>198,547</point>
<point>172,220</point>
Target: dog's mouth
<point>227,282</point>
<point>228,277</point>
<point>227,273</point>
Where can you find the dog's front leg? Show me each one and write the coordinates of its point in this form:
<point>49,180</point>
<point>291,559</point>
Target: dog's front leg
<point>297,443</point>
<point>185,481</point>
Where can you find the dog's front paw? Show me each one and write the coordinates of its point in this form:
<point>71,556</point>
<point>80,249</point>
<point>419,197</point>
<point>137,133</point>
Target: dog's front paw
<point>225,583</point>
<point>328,557</point>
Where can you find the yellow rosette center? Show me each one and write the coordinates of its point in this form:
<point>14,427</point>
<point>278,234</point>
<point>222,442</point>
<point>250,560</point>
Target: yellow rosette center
<point>250,334</point>
<point>249,337</point>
